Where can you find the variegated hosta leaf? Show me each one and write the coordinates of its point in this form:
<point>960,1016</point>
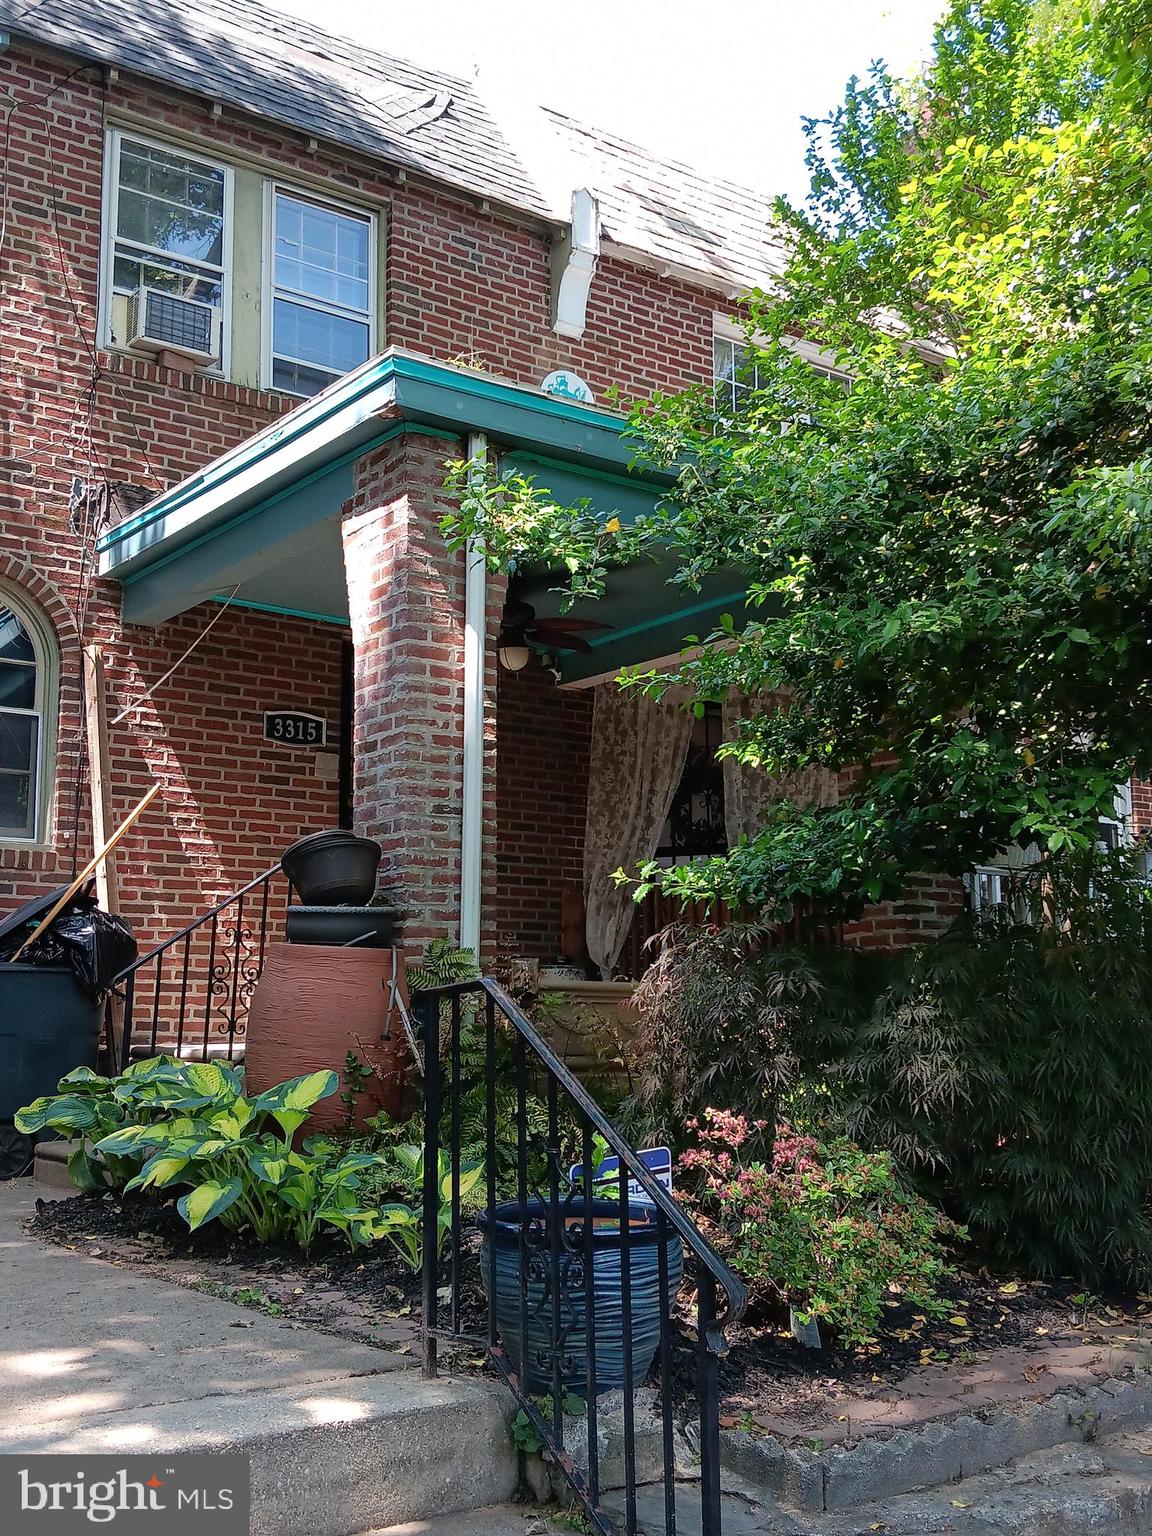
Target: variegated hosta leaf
<point>207,1201</point>
<point>288,1103</point>
<point>161,1170</point>
<point>57,1112</point>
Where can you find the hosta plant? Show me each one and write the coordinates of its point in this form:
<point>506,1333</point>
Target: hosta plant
<point>174,1125</point>
<point>402,1225</point>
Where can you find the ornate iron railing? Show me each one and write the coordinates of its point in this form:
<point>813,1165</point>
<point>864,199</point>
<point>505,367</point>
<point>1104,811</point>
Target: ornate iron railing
<point>588,1286</point>
<point>190,995</point>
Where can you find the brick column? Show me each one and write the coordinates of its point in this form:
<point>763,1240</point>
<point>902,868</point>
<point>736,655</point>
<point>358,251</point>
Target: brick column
<point>406,603</point>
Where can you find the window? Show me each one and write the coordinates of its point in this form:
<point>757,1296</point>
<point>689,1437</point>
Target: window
<point>695,825</point>
<point>28,681</point>
<point>168,226</point>
<point>319,292</point>
<point>736,375</point>
<point>733,371</point>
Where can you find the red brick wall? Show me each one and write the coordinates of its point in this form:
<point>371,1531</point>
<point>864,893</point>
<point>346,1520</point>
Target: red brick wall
<point>544,738</point>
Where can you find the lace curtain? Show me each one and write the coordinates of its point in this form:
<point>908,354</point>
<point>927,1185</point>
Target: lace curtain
<point>638,750</point>
<point>748,792</point>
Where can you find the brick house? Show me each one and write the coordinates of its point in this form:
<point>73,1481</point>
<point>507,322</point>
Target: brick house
<point>258,286</point>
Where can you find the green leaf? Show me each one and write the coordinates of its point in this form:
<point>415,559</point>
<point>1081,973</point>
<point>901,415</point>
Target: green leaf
<point>84,1171</point>
<point>288,1103</point>
<point>57,1112</point>
<point>160,1171</point>
<point>272,1168</point>
<point>208,1200</point>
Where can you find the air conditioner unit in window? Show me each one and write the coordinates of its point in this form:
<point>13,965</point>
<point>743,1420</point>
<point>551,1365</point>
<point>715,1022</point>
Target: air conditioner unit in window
<point>164,322</point>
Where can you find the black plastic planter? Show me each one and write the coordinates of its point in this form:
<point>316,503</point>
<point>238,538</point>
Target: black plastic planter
<point>361,927</point>
<point>332,869</point>
<point>528,1306</point>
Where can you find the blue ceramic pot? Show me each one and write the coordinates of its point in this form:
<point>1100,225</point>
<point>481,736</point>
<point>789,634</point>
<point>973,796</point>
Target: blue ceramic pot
<point>500,1264</point>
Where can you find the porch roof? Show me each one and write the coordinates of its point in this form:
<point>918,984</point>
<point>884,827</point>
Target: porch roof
<point>263,520</point>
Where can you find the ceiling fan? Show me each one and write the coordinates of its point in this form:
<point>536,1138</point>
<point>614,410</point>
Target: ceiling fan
<point>520,626</point>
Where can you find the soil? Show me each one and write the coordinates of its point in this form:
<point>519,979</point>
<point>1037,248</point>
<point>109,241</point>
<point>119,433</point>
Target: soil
<point>997,1340</point>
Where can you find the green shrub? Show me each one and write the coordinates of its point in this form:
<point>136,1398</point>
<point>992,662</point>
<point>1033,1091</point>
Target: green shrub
<point>826,1229</point>
<point>1009,1070</point>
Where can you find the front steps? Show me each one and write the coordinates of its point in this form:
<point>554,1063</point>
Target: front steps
<point>1093,1489</point>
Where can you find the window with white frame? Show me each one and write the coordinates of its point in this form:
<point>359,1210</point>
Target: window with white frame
<point>29,671</point>
<point>167,228</point>
<point>733,372</point>
<point>319,292</point>
<point>734,369</point>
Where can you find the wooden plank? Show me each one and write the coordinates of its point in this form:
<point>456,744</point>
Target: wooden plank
<point>99,763</point>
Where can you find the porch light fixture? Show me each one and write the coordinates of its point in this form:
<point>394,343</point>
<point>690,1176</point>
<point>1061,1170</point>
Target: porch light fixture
<point>513,656</point>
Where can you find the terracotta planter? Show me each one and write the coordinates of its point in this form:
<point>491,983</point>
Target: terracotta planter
<point>312,1005</point>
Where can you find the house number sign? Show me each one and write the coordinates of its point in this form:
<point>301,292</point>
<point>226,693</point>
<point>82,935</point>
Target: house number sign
<point>293,728</point>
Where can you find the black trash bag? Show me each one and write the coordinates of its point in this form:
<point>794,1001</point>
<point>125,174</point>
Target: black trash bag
<point>96,944</point>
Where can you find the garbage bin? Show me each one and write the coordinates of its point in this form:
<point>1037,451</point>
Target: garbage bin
<point>48,1026</point>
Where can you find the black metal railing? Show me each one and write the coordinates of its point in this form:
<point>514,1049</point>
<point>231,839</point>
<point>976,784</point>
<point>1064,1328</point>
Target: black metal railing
<point>574,1284</point>
<point>190,995</point>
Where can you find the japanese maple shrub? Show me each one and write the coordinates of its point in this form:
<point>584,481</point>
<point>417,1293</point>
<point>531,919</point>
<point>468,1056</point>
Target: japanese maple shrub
<point>825,1228</point>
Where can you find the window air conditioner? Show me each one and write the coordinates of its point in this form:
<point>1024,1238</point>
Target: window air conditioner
<point>164,322</point>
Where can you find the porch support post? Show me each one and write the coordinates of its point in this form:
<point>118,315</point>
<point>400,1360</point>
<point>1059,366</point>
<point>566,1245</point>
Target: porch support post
<point>475,634</point>
<point>406,600</point>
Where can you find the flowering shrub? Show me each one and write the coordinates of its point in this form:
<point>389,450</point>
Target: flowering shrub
<point>826,1228</point>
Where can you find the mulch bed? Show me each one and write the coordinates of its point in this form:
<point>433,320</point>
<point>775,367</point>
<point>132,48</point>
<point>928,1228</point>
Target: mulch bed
<point>767,1378</point>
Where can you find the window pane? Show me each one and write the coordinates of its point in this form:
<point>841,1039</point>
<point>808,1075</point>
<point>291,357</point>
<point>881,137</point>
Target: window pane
<point>18,741</point>
<point>723,358</point>
<point>310,336</point>
<point>17,686</point>
<point>170,202</point>
<point>17,805</point>
<point>299,379</point>
<point>130,272</point>
<point>322,253</point>
<point>15,641</point>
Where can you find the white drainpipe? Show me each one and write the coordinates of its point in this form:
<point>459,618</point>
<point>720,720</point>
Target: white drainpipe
<point>472,818</point>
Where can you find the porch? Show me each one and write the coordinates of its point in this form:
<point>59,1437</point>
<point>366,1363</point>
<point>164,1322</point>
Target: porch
<point>474,775</point>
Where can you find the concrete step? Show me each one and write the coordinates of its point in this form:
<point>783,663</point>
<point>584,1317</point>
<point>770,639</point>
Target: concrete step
<point>497,1520</point>
<point>342,1437</point>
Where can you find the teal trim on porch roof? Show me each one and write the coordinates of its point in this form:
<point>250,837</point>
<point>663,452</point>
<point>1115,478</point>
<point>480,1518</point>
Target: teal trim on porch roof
<point>261,525</point>
<point>344,420</point>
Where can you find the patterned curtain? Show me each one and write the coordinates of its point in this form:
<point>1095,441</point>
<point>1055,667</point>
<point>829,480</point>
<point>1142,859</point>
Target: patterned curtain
<point>747,791</point>
<point>638,750</point>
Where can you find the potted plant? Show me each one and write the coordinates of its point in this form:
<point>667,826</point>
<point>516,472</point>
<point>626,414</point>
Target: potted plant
<point>524,1305</point>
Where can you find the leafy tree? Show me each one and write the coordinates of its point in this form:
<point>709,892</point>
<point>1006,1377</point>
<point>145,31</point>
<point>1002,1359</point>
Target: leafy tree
<point>950,557</point>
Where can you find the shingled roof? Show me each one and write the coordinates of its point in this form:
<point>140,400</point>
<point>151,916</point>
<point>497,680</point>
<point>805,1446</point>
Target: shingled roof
<point>244,55</point>
<point>671,211</point>
<point>239,53</point>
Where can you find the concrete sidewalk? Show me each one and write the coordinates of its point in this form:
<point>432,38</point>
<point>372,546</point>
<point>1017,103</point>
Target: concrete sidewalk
<point>94,1358</point>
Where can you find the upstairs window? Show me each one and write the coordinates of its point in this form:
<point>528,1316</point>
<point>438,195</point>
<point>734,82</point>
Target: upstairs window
<point>28,682</point>
<point>321,299</point>
<point>169,229</point>
<point>736,375</point>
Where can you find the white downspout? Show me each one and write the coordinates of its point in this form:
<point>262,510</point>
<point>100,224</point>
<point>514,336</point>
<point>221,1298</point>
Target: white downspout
<point>472,797</point>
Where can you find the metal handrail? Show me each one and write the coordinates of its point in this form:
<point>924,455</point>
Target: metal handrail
<point>205,917</point>
<point>538,1307</point>
<point>735,1292</point>
<point>219,991</point>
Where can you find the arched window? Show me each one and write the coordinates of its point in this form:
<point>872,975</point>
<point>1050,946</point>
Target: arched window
<point>29,682</point>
